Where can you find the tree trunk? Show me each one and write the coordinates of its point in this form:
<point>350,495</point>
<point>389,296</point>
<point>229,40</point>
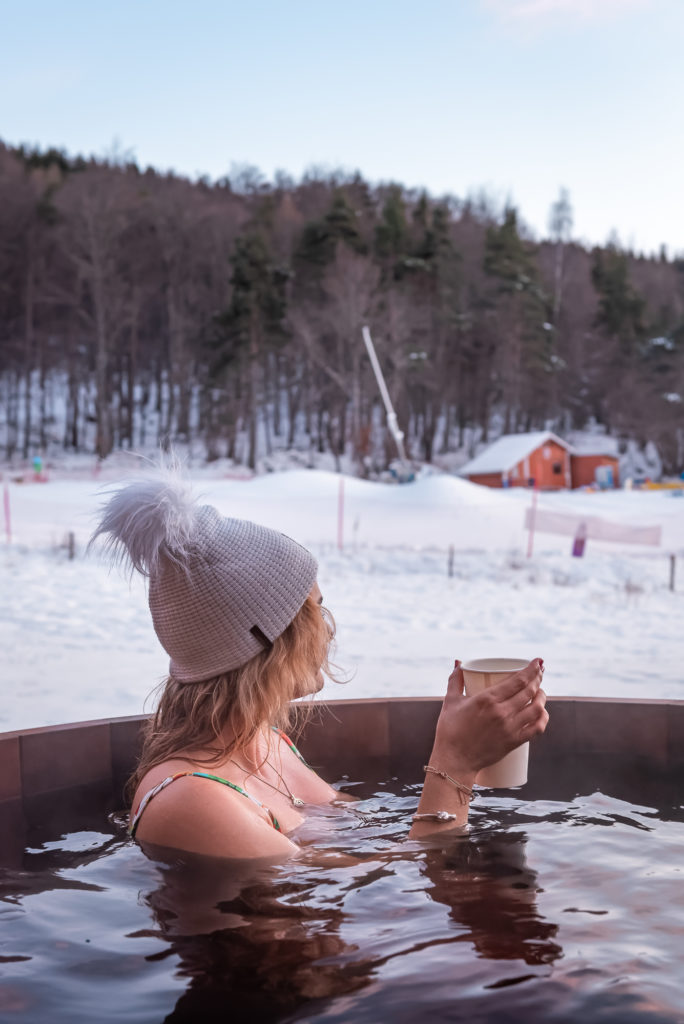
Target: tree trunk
<point>277,376</point>
<point>160,404</point>
<point>12,406</point>
<point>253,381</point>
<point>132,369</point>
<point>28,356</point>
<point>266,415</point>
<point>448,417</point>
<point>294,397</point>
<point>320,429</point>
<point>103,443</point>
<point>74,388</point>
<point>43,396</point>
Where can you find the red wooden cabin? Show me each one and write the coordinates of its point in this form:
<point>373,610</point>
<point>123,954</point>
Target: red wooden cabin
<point>522,460</point>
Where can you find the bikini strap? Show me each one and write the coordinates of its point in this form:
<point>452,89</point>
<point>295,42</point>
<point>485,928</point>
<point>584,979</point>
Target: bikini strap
<point>200,775</point>
<point>290,744</point>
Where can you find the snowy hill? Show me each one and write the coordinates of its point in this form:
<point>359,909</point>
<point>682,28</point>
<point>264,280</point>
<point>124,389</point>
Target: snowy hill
<point>79,644</point>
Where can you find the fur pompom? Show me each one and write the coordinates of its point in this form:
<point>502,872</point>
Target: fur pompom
<point>146,519</point>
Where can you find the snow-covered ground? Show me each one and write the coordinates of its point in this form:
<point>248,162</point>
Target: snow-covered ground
<point>77,642</point>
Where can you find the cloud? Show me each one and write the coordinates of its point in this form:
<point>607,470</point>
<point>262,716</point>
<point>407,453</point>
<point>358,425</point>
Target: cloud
<point>583,10</point>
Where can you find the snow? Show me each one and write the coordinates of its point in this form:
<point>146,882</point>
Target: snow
<point>583,443</point>
<point>78,644</point>
<point>508,451</point>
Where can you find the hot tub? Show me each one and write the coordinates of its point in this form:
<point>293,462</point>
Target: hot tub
<point>562,901</point>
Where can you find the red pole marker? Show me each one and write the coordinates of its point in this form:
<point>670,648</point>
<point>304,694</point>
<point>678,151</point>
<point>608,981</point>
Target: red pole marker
<point>533,516</point>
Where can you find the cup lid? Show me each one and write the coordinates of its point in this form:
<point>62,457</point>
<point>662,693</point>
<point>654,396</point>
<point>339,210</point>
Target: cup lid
<point>495,665</point>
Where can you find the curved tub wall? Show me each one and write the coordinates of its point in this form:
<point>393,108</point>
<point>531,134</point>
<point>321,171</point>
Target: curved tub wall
<point>628,742</point>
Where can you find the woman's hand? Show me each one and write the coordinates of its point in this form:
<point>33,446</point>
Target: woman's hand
<point>474,732</point>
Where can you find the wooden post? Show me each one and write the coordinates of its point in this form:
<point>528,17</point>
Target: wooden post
<point>71,545</point>
<point>673,563</point>
<point>450,562</point>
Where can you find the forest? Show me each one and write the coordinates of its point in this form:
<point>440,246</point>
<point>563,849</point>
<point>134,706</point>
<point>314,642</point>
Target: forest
<point>139,308</point>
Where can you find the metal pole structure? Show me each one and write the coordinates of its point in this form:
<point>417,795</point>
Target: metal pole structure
<point>396,433</point>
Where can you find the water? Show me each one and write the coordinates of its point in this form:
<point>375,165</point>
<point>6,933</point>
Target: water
<point>546,910</point>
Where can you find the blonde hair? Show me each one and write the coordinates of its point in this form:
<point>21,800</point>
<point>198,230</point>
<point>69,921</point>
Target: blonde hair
<point>191,716</point>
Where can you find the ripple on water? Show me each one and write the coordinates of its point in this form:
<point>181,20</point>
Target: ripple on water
<point>546,911</point>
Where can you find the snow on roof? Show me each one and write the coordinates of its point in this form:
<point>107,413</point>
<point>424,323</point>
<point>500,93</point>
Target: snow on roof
<point>588,443</point>
<point>508,451</point>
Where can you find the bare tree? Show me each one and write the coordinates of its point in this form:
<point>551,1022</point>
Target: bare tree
<point>350,287</point>
<point>96,206</point>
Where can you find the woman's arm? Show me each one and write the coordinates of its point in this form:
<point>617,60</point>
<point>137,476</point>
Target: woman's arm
<point>474,732</point>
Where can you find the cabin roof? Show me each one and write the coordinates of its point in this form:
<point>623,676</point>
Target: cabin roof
<point>594,444</point>
<point>508,451</point>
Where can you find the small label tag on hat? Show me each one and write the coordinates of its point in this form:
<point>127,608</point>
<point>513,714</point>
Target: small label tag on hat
<point>261,637</point>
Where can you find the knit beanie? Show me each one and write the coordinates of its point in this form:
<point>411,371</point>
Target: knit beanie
<point>220,590</point>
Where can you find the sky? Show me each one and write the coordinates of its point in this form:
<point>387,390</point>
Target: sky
<point>516,98</point>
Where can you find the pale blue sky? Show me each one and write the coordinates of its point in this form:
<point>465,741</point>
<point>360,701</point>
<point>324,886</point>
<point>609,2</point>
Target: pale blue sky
<point>516,96</point>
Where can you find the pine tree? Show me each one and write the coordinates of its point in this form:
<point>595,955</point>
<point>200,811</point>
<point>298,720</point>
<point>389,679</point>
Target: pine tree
<point>521,309</point>
<point>320,237</point>
<point>392,238</point>
<point>621,308</point>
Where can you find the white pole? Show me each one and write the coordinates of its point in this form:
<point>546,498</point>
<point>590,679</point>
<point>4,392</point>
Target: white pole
<point>396,433</point>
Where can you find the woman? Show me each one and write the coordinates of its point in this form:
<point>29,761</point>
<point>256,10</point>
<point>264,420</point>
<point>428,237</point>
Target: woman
<point>238,609</point>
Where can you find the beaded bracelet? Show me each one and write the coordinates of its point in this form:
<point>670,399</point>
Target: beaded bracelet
<point>454,782</point>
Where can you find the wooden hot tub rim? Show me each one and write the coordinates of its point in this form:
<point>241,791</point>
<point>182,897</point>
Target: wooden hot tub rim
<point>388,735</point>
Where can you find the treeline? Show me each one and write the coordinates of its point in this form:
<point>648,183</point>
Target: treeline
<point>138,308</point>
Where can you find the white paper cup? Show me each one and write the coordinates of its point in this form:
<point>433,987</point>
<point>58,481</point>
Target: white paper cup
<point>480,674</point>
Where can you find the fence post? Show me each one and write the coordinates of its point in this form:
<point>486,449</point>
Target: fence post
<point>450,562</point>
<point>673,563</point>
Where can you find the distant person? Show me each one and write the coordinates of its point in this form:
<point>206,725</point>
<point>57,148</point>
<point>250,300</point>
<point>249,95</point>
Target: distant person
<point>238,609</point>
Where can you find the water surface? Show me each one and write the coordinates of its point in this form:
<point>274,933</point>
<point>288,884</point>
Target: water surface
<point>544,910</point>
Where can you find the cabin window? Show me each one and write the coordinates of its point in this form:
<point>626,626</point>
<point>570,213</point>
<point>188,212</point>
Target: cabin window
<point>558,467</point>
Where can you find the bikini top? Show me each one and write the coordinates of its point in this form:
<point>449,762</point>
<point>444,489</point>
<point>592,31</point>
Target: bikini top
<point>135,819</point>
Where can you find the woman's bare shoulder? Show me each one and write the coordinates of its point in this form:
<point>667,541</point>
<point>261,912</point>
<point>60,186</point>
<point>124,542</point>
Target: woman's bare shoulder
<point>200,816</point>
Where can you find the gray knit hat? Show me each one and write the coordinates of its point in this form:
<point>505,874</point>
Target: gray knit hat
<point>220,590</point>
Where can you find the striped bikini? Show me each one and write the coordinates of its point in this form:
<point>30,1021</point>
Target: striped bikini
<point>135,818</point>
